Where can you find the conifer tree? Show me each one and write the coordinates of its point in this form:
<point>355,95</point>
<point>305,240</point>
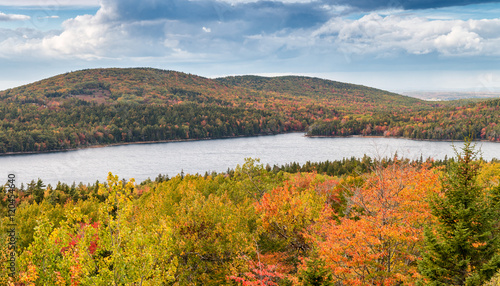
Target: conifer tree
<point>462,248</point>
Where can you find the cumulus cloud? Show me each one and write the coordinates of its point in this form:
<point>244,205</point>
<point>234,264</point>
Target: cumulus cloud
<point>373,5</point>
<point>166,28</point>
<point>458,41</point>
<point>370,5</point>
<point>389,35</point>
<point>210,30</point>
<point>38,3</point>
<point>426,4</point>
<point>13,17</point>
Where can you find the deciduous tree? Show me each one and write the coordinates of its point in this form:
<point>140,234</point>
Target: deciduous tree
<point>377,239</point>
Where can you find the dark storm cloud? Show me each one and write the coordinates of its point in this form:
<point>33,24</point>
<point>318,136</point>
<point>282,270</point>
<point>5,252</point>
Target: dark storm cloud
<point>210,30</point>
<point>236,19</point>
<point>426,4</point>
<point>266,16</point>
<point>369,5</point>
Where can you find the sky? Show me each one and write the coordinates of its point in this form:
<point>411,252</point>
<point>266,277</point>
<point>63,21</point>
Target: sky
<point>396,45</point>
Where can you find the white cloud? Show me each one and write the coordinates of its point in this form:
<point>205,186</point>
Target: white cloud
<point>459,41</point>
<point>84,36</point>
<point>113,34</point>
<point>13,17</point>
<point>374,34</point>
<point>45,3</point>
<point>49,17</point>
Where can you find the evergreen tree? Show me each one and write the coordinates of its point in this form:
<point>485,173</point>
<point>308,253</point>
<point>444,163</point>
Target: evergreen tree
<point>36,190</point>
<point>315,274</point>
<point>462,248</point>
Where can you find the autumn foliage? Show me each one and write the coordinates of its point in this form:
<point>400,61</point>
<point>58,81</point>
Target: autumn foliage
<point>116,106</point>
<point>249,226</point>
<point>259,274</point>
<point>377,239</point>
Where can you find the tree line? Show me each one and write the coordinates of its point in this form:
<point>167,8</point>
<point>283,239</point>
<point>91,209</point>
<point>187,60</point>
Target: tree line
<point>80,124</point>
<point>478,120</point>
<point>394,222</point>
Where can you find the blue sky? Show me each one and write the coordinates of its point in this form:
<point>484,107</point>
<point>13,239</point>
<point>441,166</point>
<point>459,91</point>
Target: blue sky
<point>394,44</point>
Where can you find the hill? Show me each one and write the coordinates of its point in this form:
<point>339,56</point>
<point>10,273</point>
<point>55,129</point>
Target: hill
<point>478,120</point>
<point>154,86</point>
<point>116,106</point>
<point>113,85</point>
<point>342,96</point>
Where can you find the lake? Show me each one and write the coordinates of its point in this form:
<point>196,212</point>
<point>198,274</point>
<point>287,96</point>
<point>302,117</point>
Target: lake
<point>141,161</point>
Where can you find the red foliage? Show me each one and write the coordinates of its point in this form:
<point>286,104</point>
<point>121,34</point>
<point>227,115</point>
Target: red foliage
<point>75,238</point>
<point>260,274</point>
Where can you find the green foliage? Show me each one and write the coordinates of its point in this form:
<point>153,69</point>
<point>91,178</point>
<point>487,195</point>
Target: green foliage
<point>495,280</point>
<point>253,179</point>
<point>36,190</point>
<point>112,250</point>
<point>256,223</point>
<point>478,120</point>
<point>463,248</point>
<point>213,223</point>
<point>344,95</point>
<point>315,273</point>
<point>116,106</point>
<point>29,214</point>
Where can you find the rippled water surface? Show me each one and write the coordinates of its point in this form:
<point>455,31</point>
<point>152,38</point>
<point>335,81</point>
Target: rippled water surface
<point>141,161</point>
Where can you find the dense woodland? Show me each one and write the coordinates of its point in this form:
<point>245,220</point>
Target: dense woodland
<point>116,106</point>
<point>349,222</point>
<point>357,221</point>
<point>479,120</point>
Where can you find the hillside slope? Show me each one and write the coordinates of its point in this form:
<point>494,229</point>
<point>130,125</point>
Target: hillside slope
<point>478,120</point>
<point>116,106</point>
<point>154,86</point>
<point>343,96</point>
<point>113,85</point>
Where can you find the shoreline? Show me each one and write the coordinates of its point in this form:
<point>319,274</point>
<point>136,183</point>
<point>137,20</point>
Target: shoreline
<point>136,142</point>
<point>221,138</point>
<point>392,137</point>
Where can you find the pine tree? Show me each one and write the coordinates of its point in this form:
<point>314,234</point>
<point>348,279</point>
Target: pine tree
<point>315,274</point>
<point>462,248</point>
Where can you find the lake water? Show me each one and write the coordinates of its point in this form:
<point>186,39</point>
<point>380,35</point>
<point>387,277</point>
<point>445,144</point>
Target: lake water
<point>141,161</point>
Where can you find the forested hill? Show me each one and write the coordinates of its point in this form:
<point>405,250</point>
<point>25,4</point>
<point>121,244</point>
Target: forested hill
<point>116,106</point>
<point>344,96</point>
<point>111,86</point>
<point>154,86</point>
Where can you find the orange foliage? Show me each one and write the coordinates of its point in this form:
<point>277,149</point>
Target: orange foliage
<point>378,239</point>
<point>260,274</point>
<point>287,212</point>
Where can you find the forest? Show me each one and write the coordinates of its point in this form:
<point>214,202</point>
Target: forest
<point>118,106</point>
<point>357,221</point>
<point>349,222</point>
<point>479,120</point>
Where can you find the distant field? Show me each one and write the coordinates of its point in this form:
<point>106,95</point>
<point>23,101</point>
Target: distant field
<point>449,95</point>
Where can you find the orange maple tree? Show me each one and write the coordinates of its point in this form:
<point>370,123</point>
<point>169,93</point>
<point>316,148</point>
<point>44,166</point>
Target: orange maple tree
<point>259,274</point>
<point>287,212</point>
<point>377,239</point>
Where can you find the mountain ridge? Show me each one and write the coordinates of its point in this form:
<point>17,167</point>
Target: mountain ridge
<point>159,86</point>
<point>125,105</point>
